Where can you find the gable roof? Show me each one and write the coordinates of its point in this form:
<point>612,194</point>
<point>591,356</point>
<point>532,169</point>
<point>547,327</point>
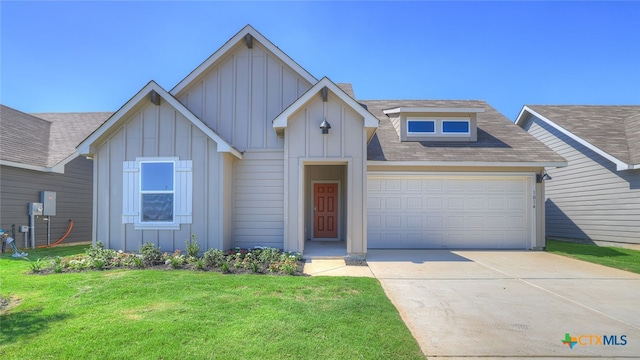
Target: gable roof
<point>240,36</point>
<point>45,141</point>
<point>86,146</point>
<point>370,121</point>
<point>611,131</point>
<point>499,143</point>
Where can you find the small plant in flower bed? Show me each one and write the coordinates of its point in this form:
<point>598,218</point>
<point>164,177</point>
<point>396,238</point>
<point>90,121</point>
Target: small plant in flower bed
<point>259,260</point>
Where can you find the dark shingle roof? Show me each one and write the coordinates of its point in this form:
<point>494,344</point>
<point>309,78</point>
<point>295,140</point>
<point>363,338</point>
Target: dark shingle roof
<point>347,88</point>
<point>614,129</point>
<point>69,129</point>
<point>44,139</point>
<point>23,138</point>
<point>499,140</point>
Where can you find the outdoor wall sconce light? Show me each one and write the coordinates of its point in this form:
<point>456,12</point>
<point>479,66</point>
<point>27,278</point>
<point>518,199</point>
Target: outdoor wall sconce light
<point>325,126</point>
<point>543,177</point>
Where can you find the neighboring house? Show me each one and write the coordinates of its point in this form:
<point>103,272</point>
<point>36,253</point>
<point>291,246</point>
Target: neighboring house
<point>240,153</point>
<point>597,197</point>
<point>37,153</point>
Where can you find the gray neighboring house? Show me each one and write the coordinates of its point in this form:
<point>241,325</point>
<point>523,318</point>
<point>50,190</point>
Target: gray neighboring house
<point>251,149</point>
<point>37,152</point>
<point>597,197</point>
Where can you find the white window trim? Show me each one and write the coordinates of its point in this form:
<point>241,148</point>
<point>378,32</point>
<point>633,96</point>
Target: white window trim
<point>438,127</point>
<point>465,120</point>
<point>157,224</point>
<point>182,190</point>
<point>415,119</point>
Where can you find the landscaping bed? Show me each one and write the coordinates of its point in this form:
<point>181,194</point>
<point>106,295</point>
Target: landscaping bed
<point>258,260</point>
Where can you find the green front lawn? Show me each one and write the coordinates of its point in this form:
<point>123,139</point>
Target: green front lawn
<point>182,314</point>
<point>619,258</point>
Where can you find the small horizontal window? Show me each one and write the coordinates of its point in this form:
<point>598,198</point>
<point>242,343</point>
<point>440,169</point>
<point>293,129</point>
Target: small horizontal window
<point>421,126</point>
<point>455,127</point>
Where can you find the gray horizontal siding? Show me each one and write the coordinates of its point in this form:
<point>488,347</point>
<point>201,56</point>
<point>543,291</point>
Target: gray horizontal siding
<point>589,199</point>
<point>74,200</point>
<point>258,205</point>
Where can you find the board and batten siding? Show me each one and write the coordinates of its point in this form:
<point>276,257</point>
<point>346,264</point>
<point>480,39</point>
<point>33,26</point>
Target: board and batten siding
<point>159,131</point>
<point>73,201</point>
<point>258,201</point>
<point>240,96</point>
<point>589,199</point>
<point>345,144</point>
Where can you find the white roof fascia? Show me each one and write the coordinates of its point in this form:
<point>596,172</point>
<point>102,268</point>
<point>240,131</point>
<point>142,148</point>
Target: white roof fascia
<point>247,30</point>
<point>32,167</point>
<point>59,167</point>
<point>222,146</point>
<point>620,165</point>
<point>412,110</point>
<point>280,122</point>
<point>468,163</point>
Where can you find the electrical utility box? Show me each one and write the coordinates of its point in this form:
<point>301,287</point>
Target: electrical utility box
<point>35,209</point>
<point>48,199</point>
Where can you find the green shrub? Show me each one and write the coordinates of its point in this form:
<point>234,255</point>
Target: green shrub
<point>192,246</point>
<point>37,266</point>
<point>137,262</point>
<point>56,264</point>
<point>214,258</point>
<point>176,260</point>
<point>98,256</point>
<point>199,264</point>
<point>98,264</point>
<point>268,254</point>
<point>151,255</point>
<point>78,262</point>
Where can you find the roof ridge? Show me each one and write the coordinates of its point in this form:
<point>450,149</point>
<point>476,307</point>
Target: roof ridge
<point>633,136</point>
<point>37,114</point>
<point>586,105</point>
<point>27,114</point>
<point>448,100</point>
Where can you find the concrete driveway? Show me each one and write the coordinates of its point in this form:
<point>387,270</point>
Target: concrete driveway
<point>510,304</point>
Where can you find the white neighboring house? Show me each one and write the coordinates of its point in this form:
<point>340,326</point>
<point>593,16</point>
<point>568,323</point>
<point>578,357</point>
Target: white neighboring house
<point>597,197</point>
<point>251,149</point>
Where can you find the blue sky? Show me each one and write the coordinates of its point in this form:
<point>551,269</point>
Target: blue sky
<point>94,56</point>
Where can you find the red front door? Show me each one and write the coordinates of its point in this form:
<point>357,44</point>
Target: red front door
<point>325,210</point>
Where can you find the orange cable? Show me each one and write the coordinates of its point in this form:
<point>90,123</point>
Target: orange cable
<point>61,239</point>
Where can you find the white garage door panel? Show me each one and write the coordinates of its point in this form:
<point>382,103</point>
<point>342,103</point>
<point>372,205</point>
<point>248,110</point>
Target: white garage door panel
<point>448,212</point>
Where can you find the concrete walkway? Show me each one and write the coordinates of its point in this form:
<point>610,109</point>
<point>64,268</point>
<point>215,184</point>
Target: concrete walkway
<point>505,304</point>
<point>334,267</point>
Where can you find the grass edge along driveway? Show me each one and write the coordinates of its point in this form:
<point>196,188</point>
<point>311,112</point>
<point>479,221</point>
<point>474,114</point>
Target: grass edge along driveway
<point>170,314</point>
<point>615,257</point>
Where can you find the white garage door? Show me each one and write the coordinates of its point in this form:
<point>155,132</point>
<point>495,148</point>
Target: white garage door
<point>453,211</point>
